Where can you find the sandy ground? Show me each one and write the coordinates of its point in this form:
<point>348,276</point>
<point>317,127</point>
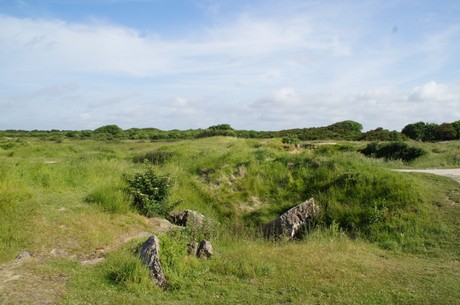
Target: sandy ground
<point>451,173</point>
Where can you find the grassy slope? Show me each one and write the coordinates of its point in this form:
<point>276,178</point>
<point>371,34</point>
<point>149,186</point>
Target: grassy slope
<point>241,183</point>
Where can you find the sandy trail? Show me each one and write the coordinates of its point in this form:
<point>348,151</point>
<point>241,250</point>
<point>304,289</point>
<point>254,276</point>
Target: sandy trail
<point>453,173</point>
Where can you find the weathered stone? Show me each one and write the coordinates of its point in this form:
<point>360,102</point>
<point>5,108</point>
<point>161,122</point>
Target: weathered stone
<point>161,225</point>
<point>149,255</point>
<point>205,249</point>
<point>187,218</point>
<point>23,256</point>
<point>192,248</point>
<point>291,222</point>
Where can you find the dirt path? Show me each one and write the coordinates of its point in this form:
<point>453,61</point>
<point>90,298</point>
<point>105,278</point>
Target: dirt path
<point>451,173</point>
<point>22,281</point>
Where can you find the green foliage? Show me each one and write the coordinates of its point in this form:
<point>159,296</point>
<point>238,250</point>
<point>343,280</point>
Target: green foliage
<point>220,127</point>
<point>431,132</point>
<point>125,269</point>
<point>381,134</point>
<point>110,129</point>
<point>149,192</point>
<point>415,131</point>
<point>446,132</point>
<point>111,198</point>
<point>345,127</point>
<point>393,151</point>
<point>242,184</point>
<point>290,140</point>
<point>157,157</point>
<point>108,132</point>
<point>218,130</point>
<point>346,130</point>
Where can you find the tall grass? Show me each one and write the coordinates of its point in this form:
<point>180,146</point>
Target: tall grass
<point>324,271</point>
<point>51,189</point>
<point>70,195</point>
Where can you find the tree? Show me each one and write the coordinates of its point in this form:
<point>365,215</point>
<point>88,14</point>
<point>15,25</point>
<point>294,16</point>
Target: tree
<point>112,130</point>
<point>415,131</point>
<point>445,132</point>
<point>430,132</point>
<point>349,126</point>
<point>381,134</point>
<point>220,127</point>
<point>456,125</point>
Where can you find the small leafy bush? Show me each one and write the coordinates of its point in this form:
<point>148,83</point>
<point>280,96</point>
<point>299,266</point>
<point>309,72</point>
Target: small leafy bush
<point>393,151</point>
<point>290,140</point>
<point>150,192</point>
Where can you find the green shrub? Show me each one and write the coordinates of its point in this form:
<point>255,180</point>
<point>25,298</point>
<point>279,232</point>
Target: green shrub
<point>393,151</point>
<point>381,134</point>
<point>290,140</point>
<point>150,192</point>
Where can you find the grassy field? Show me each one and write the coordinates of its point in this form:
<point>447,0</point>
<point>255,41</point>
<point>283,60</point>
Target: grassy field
<point>383,238</point>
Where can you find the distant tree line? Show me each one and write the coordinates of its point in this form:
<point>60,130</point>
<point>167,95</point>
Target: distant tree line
<point>429,132</point>
<point>345,130</point>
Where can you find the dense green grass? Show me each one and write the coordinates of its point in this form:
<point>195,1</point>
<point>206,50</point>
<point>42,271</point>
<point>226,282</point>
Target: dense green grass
<point>247,271</point>
<point>383,237</point>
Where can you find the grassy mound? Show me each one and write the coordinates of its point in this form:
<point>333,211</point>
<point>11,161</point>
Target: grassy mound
<point>383,236</point>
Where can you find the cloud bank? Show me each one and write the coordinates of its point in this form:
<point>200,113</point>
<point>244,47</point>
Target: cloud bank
<point>254,71</point>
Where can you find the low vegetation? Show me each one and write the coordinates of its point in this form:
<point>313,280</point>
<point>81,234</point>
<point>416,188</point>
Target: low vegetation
<point>393,151</point>
<point>149,193</point>
<point>345,130</point>
<point>384,237</point>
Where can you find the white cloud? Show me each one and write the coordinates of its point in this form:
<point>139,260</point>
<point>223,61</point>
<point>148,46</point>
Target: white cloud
<point>432,91</point>
<point>297,64</point>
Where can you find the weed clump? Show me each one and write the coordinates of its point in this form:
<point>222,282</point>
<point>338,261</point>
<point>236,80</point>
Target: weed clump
<point>157,157</point>
<point>150,191</point>
<point>111,199</point>
<point>125,269</point>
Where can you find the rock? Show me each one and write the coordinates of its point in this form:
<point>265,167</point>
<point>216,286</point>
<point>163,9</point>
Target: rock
<point>149,255</point>
<point>204,249</point>
<point>161,225</point>
<point>23,256</point>
<point>290,223</point>
<point>192,248</point>
<point>187,218</point>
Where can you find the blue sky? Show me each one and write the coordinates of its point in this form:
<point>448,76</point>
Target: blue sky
<point>263,65</point>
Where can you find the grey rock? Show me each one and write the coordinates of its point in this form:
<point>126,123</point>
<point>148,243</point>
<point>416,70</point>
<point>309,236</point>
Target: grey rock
<point>192,248</point>
<point>149,255</point>
<point>205,249</point>
<point>161,225</point>
<point>187,218</point>
<point>23,256</point>
<point>291,222</point>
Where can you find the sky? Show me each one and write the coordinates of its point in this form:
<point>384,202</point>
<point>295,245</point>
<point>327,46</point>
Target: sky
<point>253,64</point>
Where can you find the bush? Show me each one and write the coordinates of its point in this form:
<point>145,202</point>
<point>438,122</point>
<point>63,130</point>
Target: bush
<point>393,151</point>
<point>150,192</point>
<point>290,140</point>
<point>381,134</point>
